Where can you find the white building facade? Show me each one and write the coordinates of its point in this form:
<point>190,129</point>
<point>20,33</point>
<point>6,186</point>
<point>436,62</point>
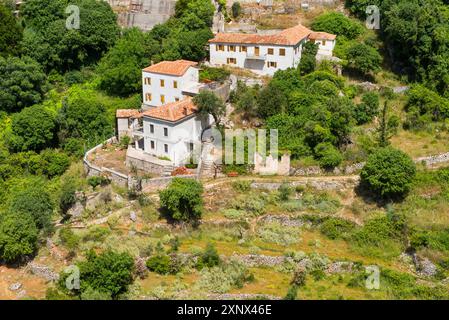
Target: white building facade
<point>168,81</point>
<point>265,54</point>
<point>173,132</point>
<point>168,129</point>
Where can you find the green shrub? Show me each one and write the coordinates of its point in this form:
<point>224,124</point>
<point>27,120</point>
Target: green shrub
<point>67,196</point>
<point>274,232</point>
<point>381,236</point>
<point>236,9</point>
<point>97,234</point>
<point>367,109</point>
<point>124,142</point>
<point>317,274</point>
<point>285,191</point>
<point>388,173</point>
<point>250,203</point>
<point>292,293</point>
<point>241,186</point>
<point>69,238</point>
<point>234,213</point>
<point>213,74</point>
<point>182,199</point>
<point>433,239</point>
<point>221,279</point>
<point>159,263</point>
<point>95,181</point>
<point>336,228</point>
<point>54,163</point>
<point>209,258</point>
<point>328,156</point>
<point>74,147</point>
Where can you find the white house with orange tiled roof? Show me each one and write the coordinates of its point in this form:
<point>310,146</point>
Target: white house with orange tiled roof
<point>168,129</point>
<point>265,54</point>
<point>173,130</point>
<point>326,42</point>
<point>169,81</point>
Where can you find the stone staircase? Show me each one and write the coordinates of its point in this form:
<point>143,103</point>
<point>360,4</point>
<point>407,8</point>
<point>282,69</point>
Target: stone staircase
<point>206,166</point>
<point>167,170</point>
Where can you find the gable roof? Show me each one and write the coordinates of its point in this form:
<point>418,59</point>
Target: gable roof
<point>127,113</point>
<point>174,68</point>
<point>173,111</point>
<point>322,36</point>
<point>290,36</point>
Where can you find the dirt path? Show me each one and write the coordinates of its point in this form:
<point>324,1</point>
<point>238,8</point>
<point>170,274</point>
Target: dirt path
<point>277,179</point>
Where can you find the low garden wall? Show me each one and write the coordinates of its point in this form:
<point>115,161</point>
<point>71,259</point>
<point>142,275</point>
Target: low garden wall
<point>146,163</point>
<point>154,184</point>
<point>124,180</point>
<point>91,169</point>
<point>357,167</point>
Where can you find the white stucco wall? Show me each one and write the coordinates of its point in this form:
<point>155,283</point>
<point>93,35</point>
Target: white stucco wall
<point>125,125</point>
<point>189,79</point>
<point>326,47</point>
<point>260,65</point>
<point>180,134</point>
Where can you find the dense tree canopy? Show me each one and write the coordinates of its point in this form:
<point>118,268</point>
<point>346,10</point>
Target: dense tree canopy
<point>416,33</point>
<point>47,40</point>
<point>18,236</point>
<point>22,83</point>
<point>83,116</point>
<point>10,32</point>
<point>34,128</point>
<point>364,58</point>
<point>338,24</point>
<point>307,111</point>
<point>308,58</point>
<point>121,68</point>
<point>108,272</point>
<point>35,202</point>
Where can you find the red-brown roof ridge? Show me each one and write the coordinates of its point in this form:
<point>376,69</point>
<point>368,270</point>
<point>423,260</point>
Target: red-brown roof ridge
<point>175,68</point>
<point>290,36</point>
<point>173,111</point>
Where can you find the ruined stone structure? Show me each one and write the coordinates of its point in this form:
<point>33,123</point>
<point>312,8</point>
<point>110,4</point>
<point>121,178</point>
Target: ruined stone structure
<point>144,14</point>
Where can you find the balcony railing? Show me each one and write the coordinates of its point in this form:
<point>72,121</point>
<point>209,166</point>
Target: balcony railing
<point>253,56</point>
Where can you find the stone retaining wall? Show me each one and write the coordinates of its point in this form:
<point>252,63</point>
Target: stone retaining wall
<point>91,169</point>
<point>357,167</point>
<point>154,184</point>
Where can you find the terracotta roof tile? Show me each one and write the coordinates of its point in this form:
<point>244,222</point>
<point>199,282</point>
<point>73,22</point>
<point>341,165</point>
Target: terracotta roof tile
<point>290,36</point>
<point>322,36</point>
<point>175,68</point>
<point>127,113</point>
<point>173,111</point>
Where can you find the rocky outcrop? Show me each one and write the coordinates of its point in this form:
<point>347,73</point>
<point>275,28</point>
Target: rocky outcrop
<point>340,267</point>
<point>242,296</point>
<point>424,267</point>
<point>256,260</point>
<point>284,220</point>
<point>42,271</point>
